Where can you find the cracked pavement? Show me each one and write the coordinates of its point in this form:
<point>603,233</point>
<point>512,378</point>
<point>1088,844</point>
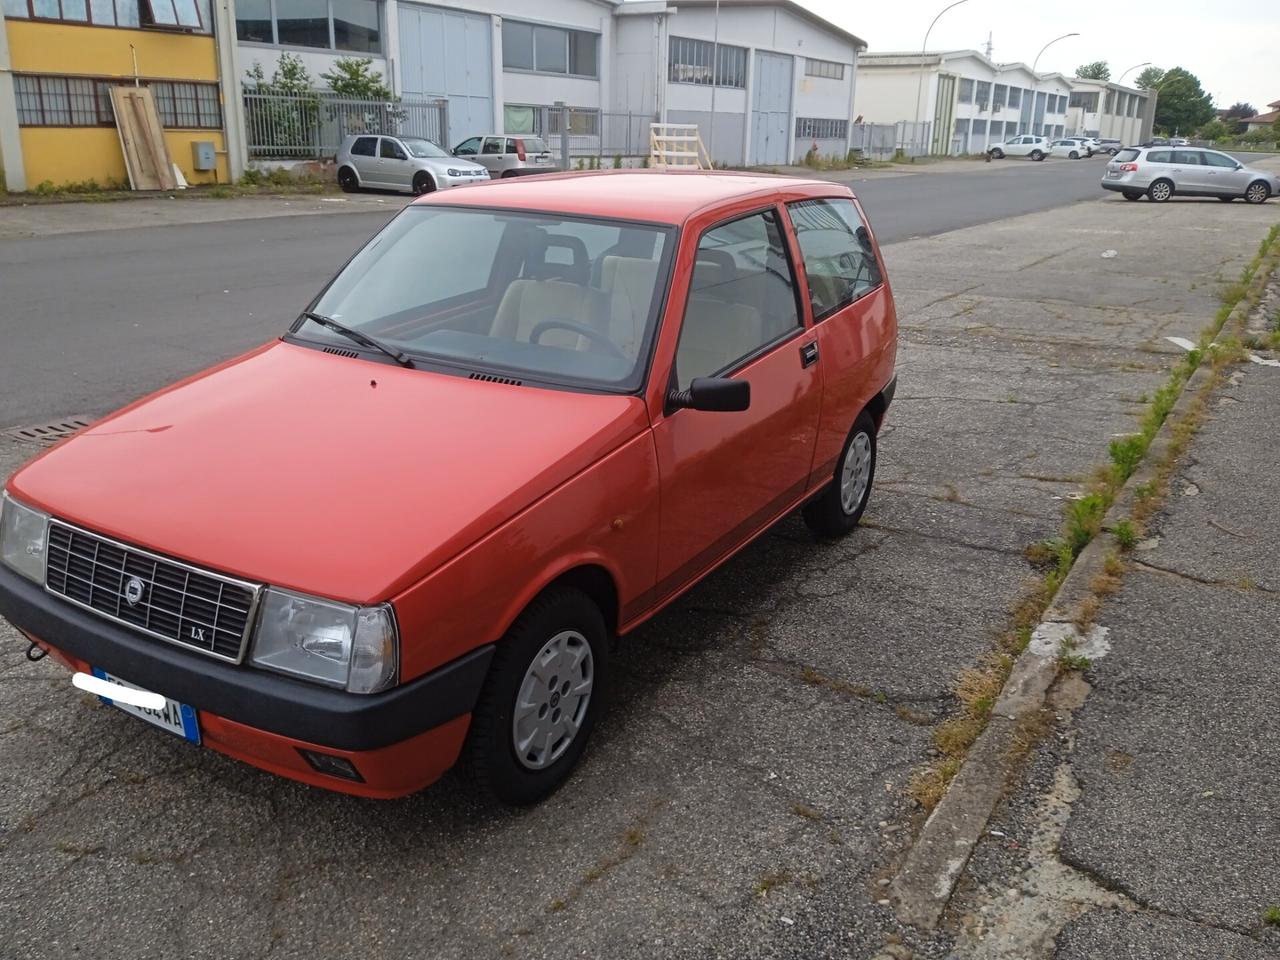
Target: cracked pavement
<point>745,794</point>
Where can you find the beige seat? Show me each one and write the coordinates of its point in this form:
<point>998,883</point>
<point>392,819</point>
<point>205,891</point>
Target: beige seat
<point>715,333</point>
<point>528,303</point>
<point>629,283</point>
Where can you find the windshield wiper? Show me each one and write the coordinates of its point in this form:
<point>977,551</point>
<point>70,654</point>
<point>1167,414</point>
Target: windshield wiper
<point>361,338</point>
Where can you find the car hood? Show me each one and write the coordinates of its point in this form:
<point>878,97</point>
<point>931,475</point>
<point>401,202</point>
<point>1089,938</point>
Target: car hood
<point>326,474</point>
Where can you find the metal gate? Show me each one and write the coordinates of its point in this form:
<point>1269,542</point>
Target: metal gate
<point>449,55</point>
<point>771,109</point>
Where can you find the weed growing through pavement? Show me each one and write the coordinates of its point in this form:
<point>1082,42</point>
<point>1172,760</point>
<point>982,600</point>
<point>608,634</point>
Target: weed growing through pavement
<point>772,880</point>
<point>1126,534</point>
<point>1271,916</point>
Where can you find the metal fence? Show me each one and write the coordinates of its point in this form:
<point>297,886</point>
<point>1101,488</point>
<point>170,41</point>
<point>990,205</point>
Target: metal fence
<point>590,133</point>
<point>312,126</point>
<point>881,141</point>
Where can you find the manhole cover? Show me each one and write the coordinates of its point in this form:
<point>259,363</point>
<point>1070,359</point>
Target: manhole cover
<point>47,433</point>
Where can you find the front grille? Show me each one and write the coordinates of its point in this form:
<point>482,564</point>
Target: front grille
<point>194,608</point>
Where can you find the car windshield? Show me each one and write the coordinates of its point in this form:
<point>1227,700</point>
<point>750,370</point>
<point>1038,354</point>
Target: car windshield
<point>422,148</point>
<point>544,297</point>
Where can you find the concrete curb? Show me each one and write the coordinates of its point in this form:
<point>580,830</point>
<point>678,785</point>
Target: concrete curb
<point>928,876</point>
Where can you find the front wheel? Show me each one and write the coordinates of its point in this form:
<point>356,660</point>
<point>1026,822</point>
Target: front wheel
<point>541,699</point>
<point>1257,192</point>
<point>422,183</point>
<point>1037,155</point>
<point>839,507</point>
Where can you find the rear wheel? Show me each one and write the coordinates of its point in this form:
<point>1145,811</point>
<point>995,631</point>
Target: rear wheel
<point>838,508</point>
<point>1160,191</point>
<point>422,183</point>
<point>1257,192</point>
<point>507,174</point>
<point>540,701</point>
<point>1226,199</point>
<point>1132,194</point>
<point>348,180</point>
<point>1037,155</point>
<point>1074,155</point>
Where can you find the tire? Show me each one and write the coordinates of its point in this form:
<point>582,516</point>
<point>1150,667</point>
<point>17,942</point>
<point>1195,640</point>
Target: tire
<point>1257,192</point>
<point>1160,191</point>
<point>507,174</point>
<point>997,154</point>
<point>1226,199</point>
<point>1037,155</point>
<point>1132,194</point>
<point>1074,155</point>
<point>837,510</point>
<point>348,180</point>
<point>422,183</point>
<point>557,626</point>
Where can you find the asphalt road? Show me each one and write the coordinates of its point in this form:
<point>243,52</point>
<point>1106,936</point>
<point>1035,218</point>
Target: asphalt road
<point>90,321</point>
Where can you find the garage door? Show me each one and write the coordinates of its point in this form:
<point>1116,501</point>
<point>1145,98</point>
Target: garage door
<point>771,108</point>
<point>449,55</point>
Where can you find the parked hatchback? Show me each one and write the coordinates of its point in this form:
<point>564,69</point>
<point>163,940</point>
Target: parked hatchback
<point>1072,149</point>
<point>402,163</point>
<point>506,156</point>
<point>1161,172</point>
<point>520,421</point>
<point>1037,148</point>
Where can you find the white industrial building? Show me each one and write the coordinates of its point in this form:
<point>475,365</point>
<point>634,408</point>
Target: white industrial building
<point>783,79</point>
<point>967,100</point>
<point>1101,108</point>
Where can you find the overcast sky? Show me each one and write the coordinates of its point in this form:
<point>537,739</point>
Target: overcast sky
<point>1233,46</point>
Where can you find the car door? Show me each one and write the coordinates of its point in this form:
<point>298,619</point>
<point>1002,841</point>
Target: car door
<point>1226,178</point>
<point>364,157</point>
<point>725,475</point>
<point>493,155</point>
<point>394,166</point>
<point>1189,174</point>
<point>468,148</point>
<point>852,311</point>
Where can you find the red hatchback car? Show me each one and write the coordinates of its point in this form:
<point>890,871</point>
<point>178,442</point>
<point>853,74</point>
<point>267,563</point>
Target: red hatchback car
<point>522,420</point>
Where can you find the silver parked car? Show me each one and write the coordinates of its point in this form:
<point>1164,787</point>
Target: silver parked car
<point>1160,172</point>
<point>402,163</point>
<point>508,156</point>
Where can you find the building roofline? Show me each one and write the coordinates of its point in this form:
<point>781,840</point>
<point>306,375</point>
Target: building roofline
<point>789,5</point>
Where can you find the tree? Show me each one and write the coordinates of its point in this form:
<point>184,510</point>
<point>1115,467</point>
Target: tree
<point>289,79</point>
<point>282,114</point>
<point>1098,70</point>
<point>354,79</point>
<point>1148,78</point>
<point>1181,103</point>
<point>1237,113</point>
<point>1215,130</point>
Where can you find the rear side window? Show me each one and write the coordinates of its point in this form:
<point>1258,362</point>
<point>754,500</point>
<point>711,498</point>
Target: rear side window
<point>364,146</point>
<point>1159,156</point>
<point>1189,158</point>
<point>839,261</point>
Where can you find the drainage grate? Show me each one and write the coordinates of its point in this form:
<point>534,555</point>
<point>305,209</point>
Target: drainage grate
<point>47,433</point>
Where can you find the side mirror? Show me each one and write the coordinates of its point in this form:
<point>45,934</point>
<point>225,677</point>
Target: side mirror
<point>715,394</point>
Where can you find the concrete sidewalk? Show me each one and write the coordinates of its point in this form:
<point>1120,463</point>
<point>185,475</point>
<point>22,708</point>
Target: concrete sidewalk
<point>1149,827</point>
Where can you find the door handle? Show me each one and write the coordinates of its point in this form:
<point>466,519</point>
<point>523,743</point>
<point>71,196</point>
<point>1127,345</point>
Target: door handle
<point>809,354</point>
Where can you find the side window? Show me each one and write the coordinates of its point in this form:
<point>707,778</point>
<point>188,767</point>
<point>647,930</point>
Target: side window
<point>839,262</point>
<point>511,147</point>
<point>1159,156</point>
<point>364,146</point>
<point>1212,159</point>
<point>469,147</point>
<point>391,150</point>
<point>741,297</point>
<point>1188,158</point>
<point>492,145</point>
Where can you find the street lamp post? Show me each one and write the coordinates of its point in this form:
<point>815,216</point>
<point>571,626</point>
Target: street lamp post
<point>1035,77</point>
<point>715,66</point>
<point>923,47</point>
<point>1146,63</point>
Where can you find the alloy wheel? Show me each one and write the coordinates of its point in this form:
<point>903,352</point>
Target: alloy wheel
<point>1257,193</point>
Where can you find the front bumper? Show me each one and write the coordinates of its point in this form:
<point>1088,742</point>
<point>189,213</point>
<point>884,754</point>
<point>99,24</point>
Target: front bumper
<point>445,182</point>
<point>399,741</point>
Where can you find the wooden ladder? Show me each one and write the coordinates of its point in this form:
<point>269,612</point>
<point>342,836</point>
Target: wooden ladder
<point>677,146</point>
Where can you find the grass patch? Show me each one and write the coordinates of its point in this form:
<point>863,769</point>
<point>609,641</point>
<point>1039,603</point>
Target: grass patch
<point>771,881</point>
<point>1126,534</point>
<point>1271,916</point>
<point>805,811</point>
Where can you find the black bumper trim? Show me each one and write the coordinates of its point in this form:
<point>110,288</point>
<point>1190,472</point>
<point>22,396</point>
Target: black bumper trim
<point>887,393</point>
<point>270,702</point>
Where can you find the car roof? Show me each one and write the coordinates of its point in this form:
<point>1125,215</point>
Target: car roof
<point>656,196</point>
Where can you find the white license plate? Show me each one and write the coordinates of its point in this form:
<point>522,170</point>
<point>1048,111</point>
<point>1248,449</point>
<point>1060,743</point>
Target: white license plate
<point>541,159</point>
<point>177,718</point>
<point>1113,174</point>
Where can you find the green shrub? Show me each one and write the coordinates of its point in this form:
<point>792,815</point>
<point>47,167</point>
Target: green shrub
<point>251,178</point>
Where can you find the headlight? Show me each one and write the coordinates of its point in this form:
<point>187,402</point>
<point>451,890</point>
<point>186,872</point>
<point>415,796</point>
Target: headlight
<point>354,648</point>
<point>23,537</point>
<point>458,173</point>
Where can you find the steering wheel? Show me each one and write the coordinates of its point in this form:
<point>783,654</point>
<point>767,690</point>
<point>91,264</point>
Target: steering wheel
<point>595,336</point>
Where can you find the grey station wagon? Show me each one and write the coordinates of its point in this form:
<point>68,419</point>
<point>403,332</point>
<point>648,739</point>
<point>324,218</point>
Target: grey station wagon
<point>1160,172</point>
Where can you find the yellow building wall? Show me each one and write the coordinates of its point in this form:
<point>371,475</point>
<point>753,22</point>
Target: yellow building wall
<point>63,155</point>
